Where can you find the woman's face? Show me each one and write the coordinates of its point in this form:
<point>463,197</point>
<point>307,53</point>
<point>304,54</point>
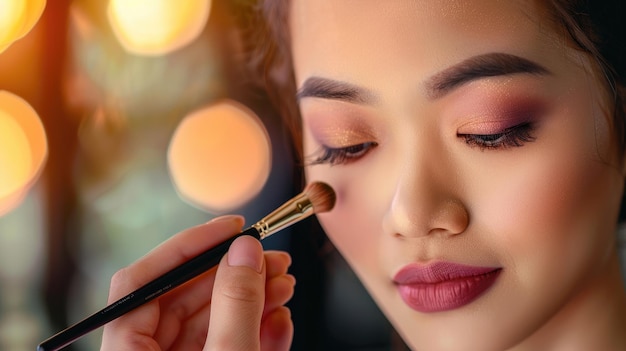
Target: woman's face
<point>477,185</point>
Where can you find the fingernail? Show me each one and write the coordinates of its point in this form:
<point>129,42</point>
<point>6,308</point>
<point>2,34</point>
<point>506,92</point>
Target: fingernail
<point>227,218</point>
<point>246,251</point>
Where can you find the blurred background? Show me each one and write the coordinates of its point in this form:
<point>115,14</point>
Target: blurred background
<point>122,123</point>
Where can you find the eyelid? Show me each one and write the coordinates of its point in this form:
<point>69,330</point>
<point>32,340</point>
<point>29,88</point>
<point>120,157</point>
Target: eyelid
<point>340,136</point>
<point>494,112</point>
<point>341,156</point>
<point>488,127</point>
<point>515,136</point>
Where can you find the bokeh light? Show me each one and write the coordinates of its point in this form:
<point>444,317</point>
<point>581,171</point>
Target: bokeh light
<point>220,157</point>
<point>156,27</point>
<point>23,149</point>
<point>17,18</point>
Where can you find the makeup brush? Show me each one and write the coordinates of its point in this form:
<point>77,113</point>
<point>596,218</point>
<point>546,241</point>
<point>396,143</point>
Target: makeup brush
<point>317,197</point>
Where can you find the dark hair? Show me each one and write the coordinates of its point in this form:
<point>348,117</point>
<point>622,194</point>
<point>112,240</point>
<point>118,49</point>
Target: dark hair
<point>266,40</point>
<point>595,27</point>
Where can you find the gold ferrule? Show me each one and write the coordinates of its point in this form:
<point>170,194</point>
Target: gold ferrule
<point>290,212</point>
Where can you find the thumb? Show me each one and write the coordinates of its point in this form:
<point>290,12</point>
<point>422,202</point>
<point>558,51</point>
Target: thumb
<point>238,298</point>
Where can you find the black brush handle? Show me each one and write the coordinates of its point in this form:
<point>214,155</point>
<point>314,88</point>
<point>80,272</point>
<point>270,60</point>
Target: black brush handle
<point>159,286</point>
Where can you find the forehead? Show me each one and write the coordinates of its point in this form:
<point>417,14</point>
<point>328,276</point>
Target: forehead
<point>343,38</point>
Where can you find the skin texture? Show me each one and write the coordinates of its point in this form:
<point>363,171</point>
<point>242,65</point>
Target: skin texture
<point>415,188</point>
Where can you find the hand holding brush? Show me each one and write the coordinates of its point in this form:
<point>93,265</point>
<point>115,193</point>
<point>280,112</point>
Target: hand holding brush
<point>316,198</point>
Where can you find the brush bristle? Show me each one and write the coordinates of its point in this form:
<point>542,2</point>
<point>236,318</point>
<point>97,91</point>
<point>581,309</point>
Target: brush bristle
<point>321,195</point>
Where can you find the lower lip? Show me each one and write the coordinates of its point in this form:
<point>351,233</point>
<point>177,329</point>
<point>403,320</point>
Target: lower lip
<point>446,295</point>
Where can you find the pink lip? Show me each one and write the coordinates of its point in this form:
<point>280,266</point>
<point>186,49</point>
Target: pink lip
<point>443,286</point>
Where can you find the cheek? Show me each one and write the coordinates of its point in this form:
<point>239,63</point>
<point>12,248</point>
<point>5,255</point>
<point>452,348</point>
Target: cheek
<point>555,201</point>
<point>558,205</point>
<point>354,224</point>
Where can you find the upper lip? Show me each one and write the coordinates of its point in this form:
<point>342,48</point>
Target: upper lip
<point>438,272</point>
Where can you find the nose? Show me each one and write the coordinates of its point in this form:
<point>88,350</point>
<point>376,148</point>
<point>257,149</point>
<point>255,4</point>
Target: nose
<point>425,202</point>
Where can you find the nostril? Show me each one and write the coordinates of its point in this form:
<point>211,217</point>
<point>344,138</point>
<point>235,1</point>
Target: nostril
<point>449,217</point>
<point>452,218</point>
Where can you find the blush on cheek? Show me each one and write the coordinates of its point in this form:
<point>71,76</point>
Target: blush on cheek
<point>566,181</point>
<point>354,224</point>
<point>560,213</point>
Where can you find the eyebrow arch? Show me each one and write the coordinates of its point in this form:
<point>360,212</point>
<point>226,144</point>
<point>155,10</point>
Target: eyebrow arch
<point>438,85</point>
<point>477,67</point>
<point>335,90</point>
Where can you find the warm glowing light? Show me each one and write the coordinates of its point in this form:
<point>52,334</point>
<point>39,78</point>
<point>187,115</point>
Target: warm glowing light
<point>17,18</point>
<point>155,27</point>
<point>15,160</point>
<point>23,149</point>
<point>220,157</point>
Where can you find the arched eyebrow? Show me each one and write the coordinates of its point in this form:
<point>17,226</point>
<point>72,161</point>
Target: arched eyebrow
<point>436,86</point>
<point>477,67</point>
<point>325,88</point>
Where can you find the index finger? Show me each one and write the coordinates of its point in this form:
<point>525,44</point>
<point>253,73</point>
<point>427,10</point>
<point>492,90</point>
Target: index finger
<point>173,252</point>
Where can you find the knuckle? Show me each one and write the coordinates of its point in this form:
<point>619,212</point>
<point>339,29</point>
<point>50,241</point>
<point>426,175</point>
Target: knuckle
<point>179,311</point>
<point>126,341</point>
<point>142,343</point>
<point>242,290</point>
<point>123,281</point>
<point>119,279</point>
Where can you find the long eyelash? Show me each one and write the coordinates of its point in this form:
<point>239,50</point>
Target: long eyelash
<point>515,136</point>
<point>341,156</point>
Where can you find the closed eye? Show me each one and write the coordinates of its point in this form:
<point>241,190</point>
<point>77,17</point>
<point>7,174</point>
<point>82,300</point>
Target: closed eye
<point>515,136</point>
<point>343,155</point>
